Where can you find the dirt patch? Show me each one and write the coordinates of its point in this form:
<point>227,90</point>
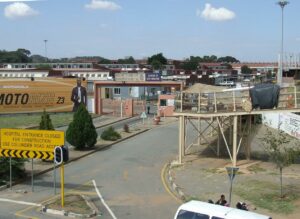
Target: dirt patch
<point>73,203</point>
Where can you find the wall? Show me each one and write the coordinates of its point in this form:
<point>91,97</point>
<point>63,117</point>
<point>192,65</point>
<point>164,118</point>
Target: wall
<point>167,110</point>
<point>289,122</point>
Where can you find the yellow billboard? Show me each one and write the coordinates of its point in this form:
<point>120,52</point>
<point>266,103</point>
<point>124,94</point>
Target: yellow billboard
<point>30,140</point>
<point>25,95</point>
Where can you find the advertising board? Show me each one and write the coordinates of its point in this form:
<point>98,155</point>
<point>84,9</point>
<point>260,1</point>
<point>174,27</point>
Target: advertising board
<point>26,96</point>
<point>23,143</point>
<point>153,77</point>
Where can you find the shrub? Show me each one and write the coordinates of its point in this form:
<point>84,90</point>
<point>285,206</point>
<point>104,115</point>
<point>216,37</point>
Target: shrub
<point>46,123</point>
<point>110,134</point>
<point>126,128</point>
<point>81,132</point>
<point>18,168</point>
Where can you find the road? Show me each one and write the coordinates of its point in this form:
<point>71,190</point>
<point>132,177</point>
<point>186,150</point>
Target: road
<point>128,176</point>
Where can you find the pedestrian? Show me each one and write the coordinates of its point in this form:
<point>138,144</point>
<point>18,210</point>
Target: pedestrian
<point>242,206</point>
<point>222,201</point>
<point>148,108</point>
<point>210,201</point>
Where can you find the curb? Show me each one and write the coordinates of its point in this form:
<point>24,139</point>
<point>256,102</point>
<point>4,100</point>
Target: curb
<point>177,191</point>
<point>72,214</point>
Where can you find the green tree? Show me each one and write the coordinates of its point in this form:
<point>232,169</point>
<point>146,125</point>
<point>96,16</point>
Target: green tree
<point>18,169</point>
<point>20,55</point>
<point>246,70</point>
<point>105,61</point>
<point>157,58</point>
<point>212,58</point>
<point>46,123</point>
<point>156,65</point>
<point>280,152</point>
<point>37,58</point>
<point>190,65</point>
<point>81,132</point>
<point>228,59</point>
<point>129,60</point>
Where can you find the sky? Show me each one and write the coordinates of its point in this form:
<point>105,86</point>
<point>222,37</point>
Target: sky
<point>249,30</point>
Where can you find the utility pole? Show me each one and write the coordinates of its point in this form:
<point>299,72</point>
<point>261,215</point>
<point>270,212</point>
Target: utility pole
<point>46,59</point>
<point>282,4</point>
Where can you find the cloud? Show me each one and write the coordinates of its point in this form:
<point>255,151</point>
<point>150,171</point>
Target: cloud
<point>19,10</point>
<point>102,5</point>
<point>215,14</point>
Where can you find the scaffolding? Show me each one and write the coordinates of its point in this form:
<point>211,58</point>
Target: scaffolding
<point>224,109</point>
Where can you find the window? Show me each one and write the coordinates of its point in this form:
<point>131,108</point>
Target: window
<point>99,75</point>
<point>105,75</point>
<point>163,102</point>
<point>191,215</point>
<point>90,87</point>
<point>87,75</point>
<point>117,90</point>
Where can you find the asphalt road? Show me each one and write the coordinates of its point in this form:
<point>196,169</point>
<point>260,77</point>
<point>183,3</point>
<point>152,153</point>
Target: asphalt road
<point>128,176</point>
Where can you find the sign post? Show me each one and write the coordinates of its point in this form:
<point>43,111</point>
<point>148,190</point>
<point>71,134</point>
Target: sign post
<point>58,159</point>
<point>32,186</point>
<point>231,171</point>
<point>10,174</point>
<point>23,143</point>
<point>143,116</point>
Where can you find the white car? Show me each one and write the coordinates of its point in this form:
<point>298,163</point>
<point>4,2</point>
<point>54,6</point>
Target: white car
<point>204,210</point>
<point>226,83</point>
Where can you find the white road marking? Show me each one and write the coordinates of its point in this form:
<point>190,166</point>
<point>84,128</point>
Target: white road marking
<point>103,202</point>
<point>19,202</point>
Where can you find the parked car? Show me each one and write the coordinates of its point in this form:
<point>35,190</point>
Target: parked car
<point>204,210</point>
<point>227,83</point>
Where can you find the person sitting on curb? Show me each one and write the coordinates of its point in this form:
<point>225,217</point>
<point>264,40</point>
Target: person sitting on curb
<point>222,201</point>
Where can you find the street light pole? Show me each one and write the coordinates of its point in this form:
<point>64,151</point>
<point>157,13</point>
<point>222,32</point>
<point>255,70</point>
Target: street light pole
<point>46,50</point>
<point>282,4</point>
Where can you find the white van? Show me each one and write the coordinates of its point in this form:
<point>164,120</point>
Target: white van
<point>203,210</point>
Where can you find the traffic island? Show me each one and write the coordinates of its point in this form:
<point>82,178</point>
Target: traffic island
<point>76,206</point>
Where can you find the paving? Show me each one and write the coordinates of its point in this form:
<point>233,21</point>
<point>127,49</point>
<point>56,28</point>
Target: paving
<point>202,178</point>
<point>40,167</point>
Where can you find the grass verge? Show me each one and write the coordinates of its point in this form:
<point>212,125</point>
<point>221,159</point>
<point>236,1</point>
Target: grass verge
<point>267,195</point>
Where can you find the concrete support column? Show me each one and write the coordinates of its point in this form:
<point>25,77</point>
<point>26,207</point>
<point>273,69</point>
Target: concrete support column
<point>181,139</point>
<point>234,148</point>
<point>199,131</point>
